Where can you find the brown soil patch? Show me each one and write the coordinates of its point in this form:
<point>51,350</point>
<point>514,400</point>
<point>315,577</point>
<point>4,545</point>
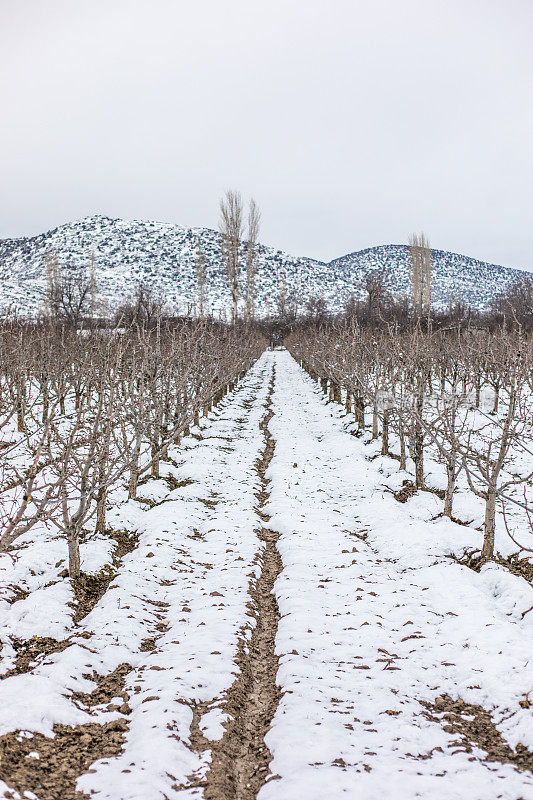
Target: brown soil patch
<point>475,728</point>
<point>240,760</point>
<point>88,589</point>
<point>518,566</point>
<point>523,567</point>
<point>72,750</point>
<point>108,686</point>
<point>148,644</point>
<point>61,760</point>
<point>407,491</point>
<point>17,593</point>
<point>173,483</point>
<point>209,503</point>
<point>30,651</point>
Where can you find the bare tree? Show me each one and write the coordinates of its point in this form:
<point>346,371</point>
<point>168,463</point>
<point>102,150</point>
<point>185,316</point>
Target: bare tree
<point>231,230</point>
<point>70,294</point>
<point>515,304</point>
<point>376,286</point>
<point>282,296</point>
<point>254,217</point>
<point>201,281</point>
<point>144,308</point>
<point>421,274</point>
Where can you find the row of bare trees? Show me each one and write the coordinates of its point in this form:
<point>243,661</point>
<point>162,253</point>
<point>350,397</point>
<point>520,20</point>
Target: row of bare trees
<point>82,413</point>
<point>466,395</point>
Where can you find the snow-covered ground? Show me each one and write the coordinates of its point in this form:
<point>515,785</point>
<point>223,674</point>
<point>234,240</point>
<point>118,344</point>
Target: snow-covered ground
<point>375,618</point>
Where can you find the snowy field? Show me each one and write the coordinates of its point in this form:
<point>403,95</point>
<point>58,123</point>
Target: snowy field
<point>387,647</point>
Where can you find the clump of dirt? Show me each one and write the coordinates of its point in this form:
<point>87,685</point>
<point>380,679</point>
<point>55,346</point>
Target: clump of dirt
<point>148,644</point>
<point>88,589</point>
<point>30,651</point>
<point>150,503</point>
<point>407,491</point>
<point>518,566</point>
<point>61,760</point>
<point>210,503</point>
<point>17,593</point>
<point>475,728</point>
<point>173,483</point>
<point>107,687</point>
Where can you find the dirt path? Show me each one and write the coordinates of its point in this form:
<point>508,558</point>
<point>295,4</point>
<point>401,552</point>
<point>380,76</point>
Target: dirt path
<point>240,760</point>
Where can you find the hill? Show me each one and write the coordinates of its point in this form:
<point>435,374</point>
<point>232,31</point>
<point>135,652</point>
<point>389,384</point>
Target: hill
<point>162,255</point>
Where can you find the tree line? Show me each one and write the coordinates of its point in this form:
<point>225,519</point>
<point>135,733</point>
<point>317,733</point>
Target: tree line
<point>84,412</point>
<point>429,390</point>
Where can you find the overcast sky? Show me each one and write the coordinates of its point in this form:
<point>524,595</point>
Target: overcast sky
<point>351,123</point>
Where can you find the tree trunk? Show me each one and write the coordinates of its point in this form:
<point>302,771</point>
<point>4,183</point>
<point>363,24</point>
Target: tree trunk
<point>360,413</point>
<point>450,489</point>
<point>490,526</point>
<point>20,414</point>
<point>45,404</point>
<point>418,442</point>
<point>100,510</point>
<point>496,400</point>
<point>74,564</point>
<point>385,434</point>
<point>403,458</point>
<point>348,404</point>
<point>375,420</point>
<point>134,475</point>
<point>155,460</point>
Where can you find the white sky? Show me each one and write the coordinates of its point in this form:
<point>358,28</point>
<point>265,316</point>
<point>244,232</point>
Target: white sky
<point>352,123</point>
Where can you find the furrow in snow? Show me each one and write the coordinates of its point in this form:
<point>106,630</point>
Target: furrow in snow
<point>240,761</point>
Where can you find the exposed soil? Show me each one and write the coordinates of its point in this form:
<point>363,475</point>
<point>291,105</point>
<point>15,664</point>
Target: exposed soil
<point>173,483</point>
<point>29,652</point>
<point>49,767</point>
<point>518,566</point>
<point>409,489</point>
<point>108,686</point>
<point>475,729</point>
<point>88,589</point>
<point>61,760</point>
<point>240,760</point>
<point>18,593</point>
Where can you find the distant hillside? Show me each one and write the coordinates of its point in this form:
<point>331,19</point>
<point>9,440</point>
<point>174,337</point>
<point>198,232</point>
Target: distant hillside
<point>162,255</point>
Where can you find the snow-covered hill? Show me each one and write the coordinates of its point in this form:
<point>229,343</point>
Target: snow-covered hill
<point>162,255</point>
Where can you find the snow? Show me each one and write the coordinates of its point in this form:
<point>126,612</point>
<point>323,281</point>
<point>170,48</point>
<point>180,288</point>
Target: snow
<point>375,618</point>
<point>348,605</point>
